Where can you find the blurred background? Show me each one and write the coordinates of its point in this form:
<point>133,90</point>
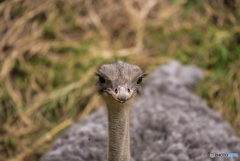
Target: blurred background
<point>50,49</point>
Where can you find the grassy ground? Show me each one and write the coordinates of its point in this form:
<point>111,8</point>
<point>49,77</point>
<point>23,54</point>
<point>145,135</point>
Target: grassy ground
<point>49,51</point>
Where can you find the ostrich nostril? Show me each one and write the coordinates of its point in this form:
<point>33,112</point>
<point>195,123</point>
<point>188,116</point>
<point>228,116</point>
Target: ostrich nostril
<point>128,90</point>
<point>116,91</point>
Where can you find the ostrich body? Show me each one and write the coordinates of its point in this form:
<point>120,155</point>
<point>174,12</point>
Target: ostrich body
<point>168,122</point>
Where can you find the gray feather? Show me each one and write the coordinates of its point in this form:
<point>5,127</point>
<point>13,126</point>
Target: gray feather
<point>168,123</point>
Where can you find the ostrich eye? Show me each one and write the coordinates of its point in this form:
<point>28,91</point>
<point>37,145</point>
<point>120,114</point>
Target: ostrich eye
<point>139,80</point>
<point>102,80</point>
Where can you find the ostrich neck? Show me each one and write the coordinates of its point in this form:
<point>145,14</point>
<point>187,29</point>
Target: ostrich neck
<point>118,131</point>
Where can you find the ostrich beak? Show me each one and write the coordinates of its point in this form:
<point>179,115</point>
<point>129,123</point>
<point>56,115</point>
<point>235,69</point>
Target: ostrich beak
<point>122,94</point>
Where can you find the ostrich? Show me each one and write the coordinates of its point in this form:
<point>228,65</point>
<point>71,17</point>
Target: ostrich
<point>168,122</point>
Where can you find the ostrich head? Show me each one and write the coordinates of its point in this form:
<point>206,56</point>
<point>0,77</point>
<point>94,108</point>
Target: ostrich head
<point>119,81</point>
<point>118,84</point>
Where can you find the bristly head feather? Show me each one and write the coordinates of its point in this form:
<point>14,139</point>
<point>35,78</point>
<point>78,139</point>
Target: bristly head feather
<point>113,75</point>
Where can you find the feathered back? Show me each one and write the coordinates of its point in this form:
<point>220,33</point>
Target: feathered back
<point>168,123</point>
<point>173,76</point>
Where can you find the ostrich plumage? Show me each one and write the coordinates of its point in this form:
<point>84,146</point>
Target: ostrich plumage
<point>168,123</point>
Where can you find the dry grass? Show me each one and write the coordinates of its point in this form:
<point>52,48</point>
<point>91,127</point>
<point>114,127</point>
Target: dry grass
<point>49,51</point>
